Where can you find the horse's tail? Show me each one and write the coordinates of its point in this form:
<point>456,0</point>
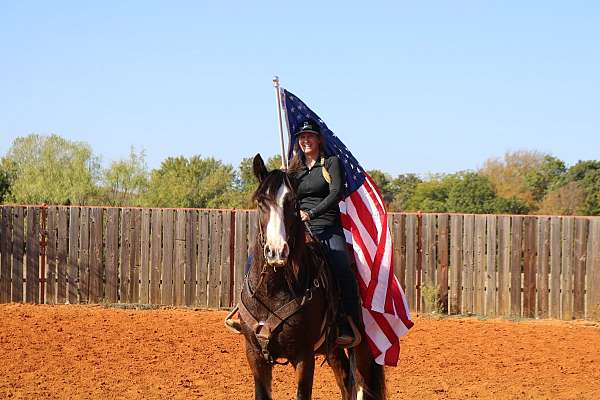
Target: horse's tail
<point>369,375</point>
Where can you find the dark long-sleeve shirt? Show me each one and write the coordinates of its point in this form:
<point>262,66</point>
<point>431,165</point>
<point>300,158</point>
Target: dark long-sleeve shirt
<point>319,198</point>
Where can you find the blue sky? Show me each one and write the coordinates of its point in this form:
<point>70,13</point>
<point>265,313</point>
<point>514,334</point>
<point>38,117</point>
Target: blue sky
<point>436,86</point>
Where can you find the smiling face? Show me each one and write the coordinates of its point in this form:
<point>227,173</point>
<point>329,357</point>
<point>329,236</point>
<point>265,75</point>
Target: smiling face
<point>310,144</point>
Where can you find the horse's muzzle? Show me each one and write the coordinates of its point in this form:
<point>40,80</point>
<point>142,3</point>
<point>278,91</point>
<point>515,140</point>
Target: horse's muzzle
<point>277,257</point>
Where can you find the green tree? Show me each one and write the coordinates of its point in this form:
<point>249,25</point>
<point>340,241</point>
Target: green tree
<point>53,170</point>
<point>195,182</point>
<point>430,195</point>
<point>587,175</point>
<point>545,177</point>
<point>125,181</point>
<point>470,192</point>
<point>404,188</point>
<point>7,175</point>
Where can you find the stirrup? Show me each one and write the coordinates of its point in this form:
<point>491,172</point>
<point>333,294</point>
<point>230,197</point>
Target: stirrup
<point>232,324</point>
<point>346,341</point>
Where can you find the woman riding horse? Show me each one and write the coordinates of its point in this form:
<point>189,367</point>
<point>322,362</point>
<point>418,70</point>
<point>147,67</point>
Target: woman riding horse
<point>320,189</point>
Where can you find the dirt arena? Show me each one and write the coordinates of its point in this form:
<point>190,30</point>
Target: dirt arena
<point>66,352</point>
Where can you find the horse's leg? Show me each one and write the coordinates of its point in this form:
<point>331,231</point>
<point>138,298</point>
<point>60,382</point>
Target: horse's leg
<point>370,375</point>
<point>262,372</point>
<point>338,361</point>
<point>305,371</point>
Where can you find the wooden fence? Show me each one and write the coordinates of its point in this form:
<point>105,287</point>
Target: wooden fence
<point>510,266</point>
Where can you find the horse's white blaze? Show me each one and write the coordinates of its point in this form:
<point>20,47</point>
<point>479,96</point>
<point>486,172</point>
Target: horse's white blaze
<point>276,234</point>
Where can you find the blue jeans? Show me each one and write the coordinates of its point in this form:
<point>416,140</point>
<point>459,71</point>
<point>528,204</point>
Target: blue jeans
<point>334,243</point>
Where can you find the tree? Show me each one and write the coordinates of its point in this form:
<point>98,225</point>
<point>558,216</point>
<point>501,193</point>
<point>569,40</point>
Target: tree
<point>404,188</point>
<point>195,182</point>
<point>125,181</point>
<point>587,175</point>
<point>470,192</point>
<point>509,174</point>
<point>430,195</point>
<point>566,200</point>
<point>7,176</point>
<point>53,170</point>
<point>384,183</point>
<point>545,177</point>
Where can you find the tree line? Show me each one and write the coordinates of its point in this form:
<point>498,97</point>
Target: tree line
<point>53,170</point>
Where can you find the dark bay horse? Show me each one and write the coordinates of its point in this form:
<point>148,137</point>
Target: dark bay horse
<point>288,304</point>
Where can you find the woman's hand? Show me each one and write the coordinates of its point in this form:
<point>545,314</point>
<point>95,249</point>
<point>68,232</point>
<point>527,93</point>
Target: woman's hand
<point>304,216</point>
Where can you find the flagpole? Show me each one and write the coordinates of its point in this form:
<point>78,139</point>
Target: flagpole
<point>284,163</point>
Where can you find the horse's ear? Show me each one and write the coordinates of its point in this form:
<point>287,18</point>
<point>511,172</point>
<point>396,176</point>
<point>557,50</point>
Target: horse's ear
<point>258,165</point>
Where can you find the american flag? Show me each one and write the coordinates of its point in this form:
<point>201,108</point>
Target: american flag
<point>385,310</point>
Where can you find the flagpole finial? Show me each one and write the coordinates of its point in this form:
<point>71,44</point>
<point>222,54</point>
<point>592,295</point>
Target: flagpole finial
<point>276,81</point>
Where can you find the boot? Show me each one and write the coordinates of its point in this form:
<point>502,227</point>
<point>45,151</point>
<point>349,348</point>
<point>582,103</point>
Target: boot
<point>348,333</point>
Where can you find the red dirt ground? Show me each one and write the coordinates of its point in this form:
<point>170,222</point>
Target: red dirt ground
<point>65,352</point>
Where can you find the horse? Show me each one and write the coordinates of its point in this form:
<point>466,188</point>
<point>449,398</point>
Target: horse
<point>289,301</point>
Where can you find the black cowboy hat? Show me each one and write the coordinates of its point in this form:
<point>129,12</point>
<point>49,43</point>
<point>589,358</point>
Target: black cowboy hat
<point>309,126</point>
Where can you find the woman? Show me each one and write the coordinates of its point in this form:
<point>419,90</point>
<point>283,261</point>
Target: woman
<point>320,189</point>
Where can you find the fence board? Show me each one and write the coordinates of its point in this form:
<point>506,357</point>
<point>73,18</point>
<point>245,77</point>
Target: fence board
<point>442,264</point>
<point>456,241</point>
<point>240,253</point>
<point>555,261</point>
<point>167,271</point>
<point>191,231</point>
<point>543,266</point>
<point>6,254</point>
<point>516,248</point>
<point>145,257</point>
<point>96,248</point>
<point>468,264</point>
<point>156,249</point>
<point>202,266</point>
<point>18,253</point>
<point>529,271</point>
<point>214,251</point>
<point>593,270</point>
<point>32,287</point>
<point>504,257</point>
<point>124,255</point>
<point>73,269</point>
<point>579,264</point>
<point>226,266</point>
<point>491,309</point>
<point>62,249</point>
<point>400,243</point>
<point>411,261</point>
<point>179,259</point>
<point>479,268</point>
<point>566,276</point>
<point>429,293</point>
<point>111,255</point>
<point>50,278</point>
<point>84,254</point>
<point>135,259</point>
<point>32,258</point>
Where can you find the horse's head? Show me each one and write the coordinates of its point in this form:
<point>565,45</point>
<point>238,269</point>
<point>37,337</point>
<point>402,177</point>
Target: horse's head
<point>278,215</point>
